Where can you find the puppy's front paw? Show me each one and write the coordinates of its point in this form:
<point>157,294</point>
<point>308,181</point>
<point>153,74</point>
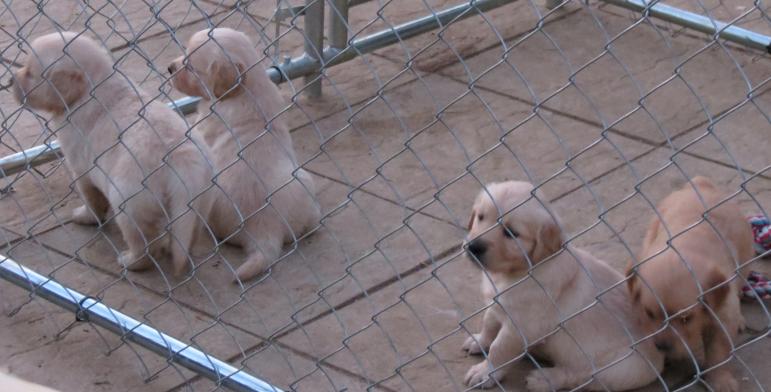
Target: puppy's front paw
<point>723,381</point>
<point>479,376</point>
<point>537,381</point>
<point>472,344</point>
<point>83,216</point>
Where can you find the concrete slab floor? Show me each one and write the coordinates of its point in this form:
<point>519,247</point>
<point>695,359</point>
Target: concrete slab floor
<point>408,335</point>
<point>403,139</point>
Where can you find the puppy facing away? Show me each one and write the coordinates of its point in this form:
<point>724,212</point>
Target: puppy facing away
<point>124,150</point>
<point>266,199</point>
<point>685,282</point>
<point>550,299</point>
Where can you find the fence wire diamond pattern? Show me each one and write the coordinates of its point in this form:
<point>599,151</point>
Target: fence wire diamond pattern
<point>399,112</point>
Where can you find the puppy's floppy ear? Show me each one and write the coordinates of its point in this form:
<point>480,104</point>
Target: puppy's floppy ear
<point>471,220</point>
<point>548,240</point>
<point>226,76</point>
<point>715,297</point>
<point>69,86</point>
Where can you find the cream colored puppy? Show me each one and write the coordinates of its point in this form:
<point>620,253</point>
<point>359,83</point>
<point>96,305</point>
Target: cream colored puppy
<point>125,150</point>
<point>267,199</point>
<point>690,288</point>
<point>549,299</point>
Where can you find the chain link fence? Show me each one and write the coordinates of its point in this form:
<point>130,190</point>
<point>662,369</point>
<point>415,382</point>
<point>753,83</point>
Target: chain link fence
<point>400,112</point>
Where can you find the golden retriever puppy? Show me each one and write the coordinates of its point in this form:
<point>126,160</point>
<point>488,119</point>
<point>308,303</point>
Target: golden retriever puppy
<point>124,149</point>
<point>550,299</point>
<point>685,282</point>
<point>266,200</point>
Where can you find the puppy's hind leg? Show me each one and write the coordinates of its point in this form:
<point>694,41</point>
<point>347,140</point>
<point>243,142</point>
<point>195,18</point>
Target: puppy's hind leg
<point>95,204</point>
<point>184,228</point>
<point>142,238</point>
<point>262,248</point>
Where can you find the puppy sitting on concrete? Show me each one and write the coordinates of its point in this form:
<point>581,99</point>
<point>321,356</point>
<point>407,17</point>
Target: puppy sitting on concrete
<point>266,199</point>
<point>549,298</point>
<point>686,280</point>
<point>124,149</point>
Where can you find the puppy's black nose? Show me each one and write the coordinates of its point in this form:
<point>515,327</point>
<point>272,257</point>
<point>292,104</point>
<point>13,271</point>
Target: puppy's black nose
<point>172,68</point>
<point>477,248</point>
<point>663,346</point>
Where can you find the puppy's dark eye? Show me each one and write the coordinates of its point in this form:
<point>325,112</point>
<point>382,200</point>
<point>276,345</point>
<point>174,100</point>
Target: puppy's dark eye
<point>508,232</point>
<point>685,319</point>
<point>481,217</point>
<point>650,314</point>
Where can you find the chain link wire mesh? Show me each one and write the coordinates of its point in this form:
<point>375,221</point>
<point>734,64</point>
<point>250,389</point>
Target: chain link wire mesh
<point>605,111</point>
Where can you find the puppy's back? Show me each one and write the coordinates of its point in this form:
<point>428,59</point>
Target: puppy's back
<point>705,226</point>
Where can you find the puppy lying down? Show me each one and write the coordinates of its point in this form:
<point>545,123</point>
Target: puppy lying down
<point>686,282</point>
<point>557,307</point>
<point>266,199</point>
<point>123,149</point>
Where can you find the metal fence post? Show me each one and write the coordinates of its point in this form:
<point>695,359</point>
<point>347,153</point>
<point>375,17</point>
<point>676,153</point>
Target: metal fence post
<point>338,25</point>
<point>314,44</point>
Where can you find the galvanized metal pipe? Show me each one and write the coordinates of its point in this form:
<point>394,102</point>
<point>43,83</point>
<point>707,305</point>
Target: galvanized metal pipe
<point>338,24</point>
<point>314,44</point>
<point>698,22</point>
<point>333,56</point>
<point>94,311</point>
<point>31,157</point>
<point>410,29</point>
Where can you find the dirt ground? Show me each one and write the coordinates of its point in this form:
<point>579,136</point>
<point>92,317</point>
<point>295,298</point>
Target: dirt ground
<point>607,111</point>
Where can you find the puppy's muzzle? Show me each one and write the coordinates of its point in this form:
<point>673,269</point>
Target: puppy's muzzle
<point>477,249</point>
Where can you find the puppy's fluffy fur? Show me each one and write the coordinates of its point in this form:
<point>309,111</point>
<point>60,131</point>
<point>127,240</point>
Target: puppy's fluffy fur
<point>523,317</point>
<point>267,200</point>
<point>124,150</point>
<point>705,316</point>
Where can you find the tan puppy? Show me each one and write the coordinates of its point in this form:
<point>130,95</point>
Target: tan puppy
<point>549,299</point>
<point>267,199</point>
<point>705,316</point>
<point>124,150</point>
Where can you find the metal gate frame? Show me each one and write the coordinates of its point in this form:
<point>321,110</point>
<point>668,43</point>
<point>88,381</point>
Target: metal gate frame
<point>309,65</point>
